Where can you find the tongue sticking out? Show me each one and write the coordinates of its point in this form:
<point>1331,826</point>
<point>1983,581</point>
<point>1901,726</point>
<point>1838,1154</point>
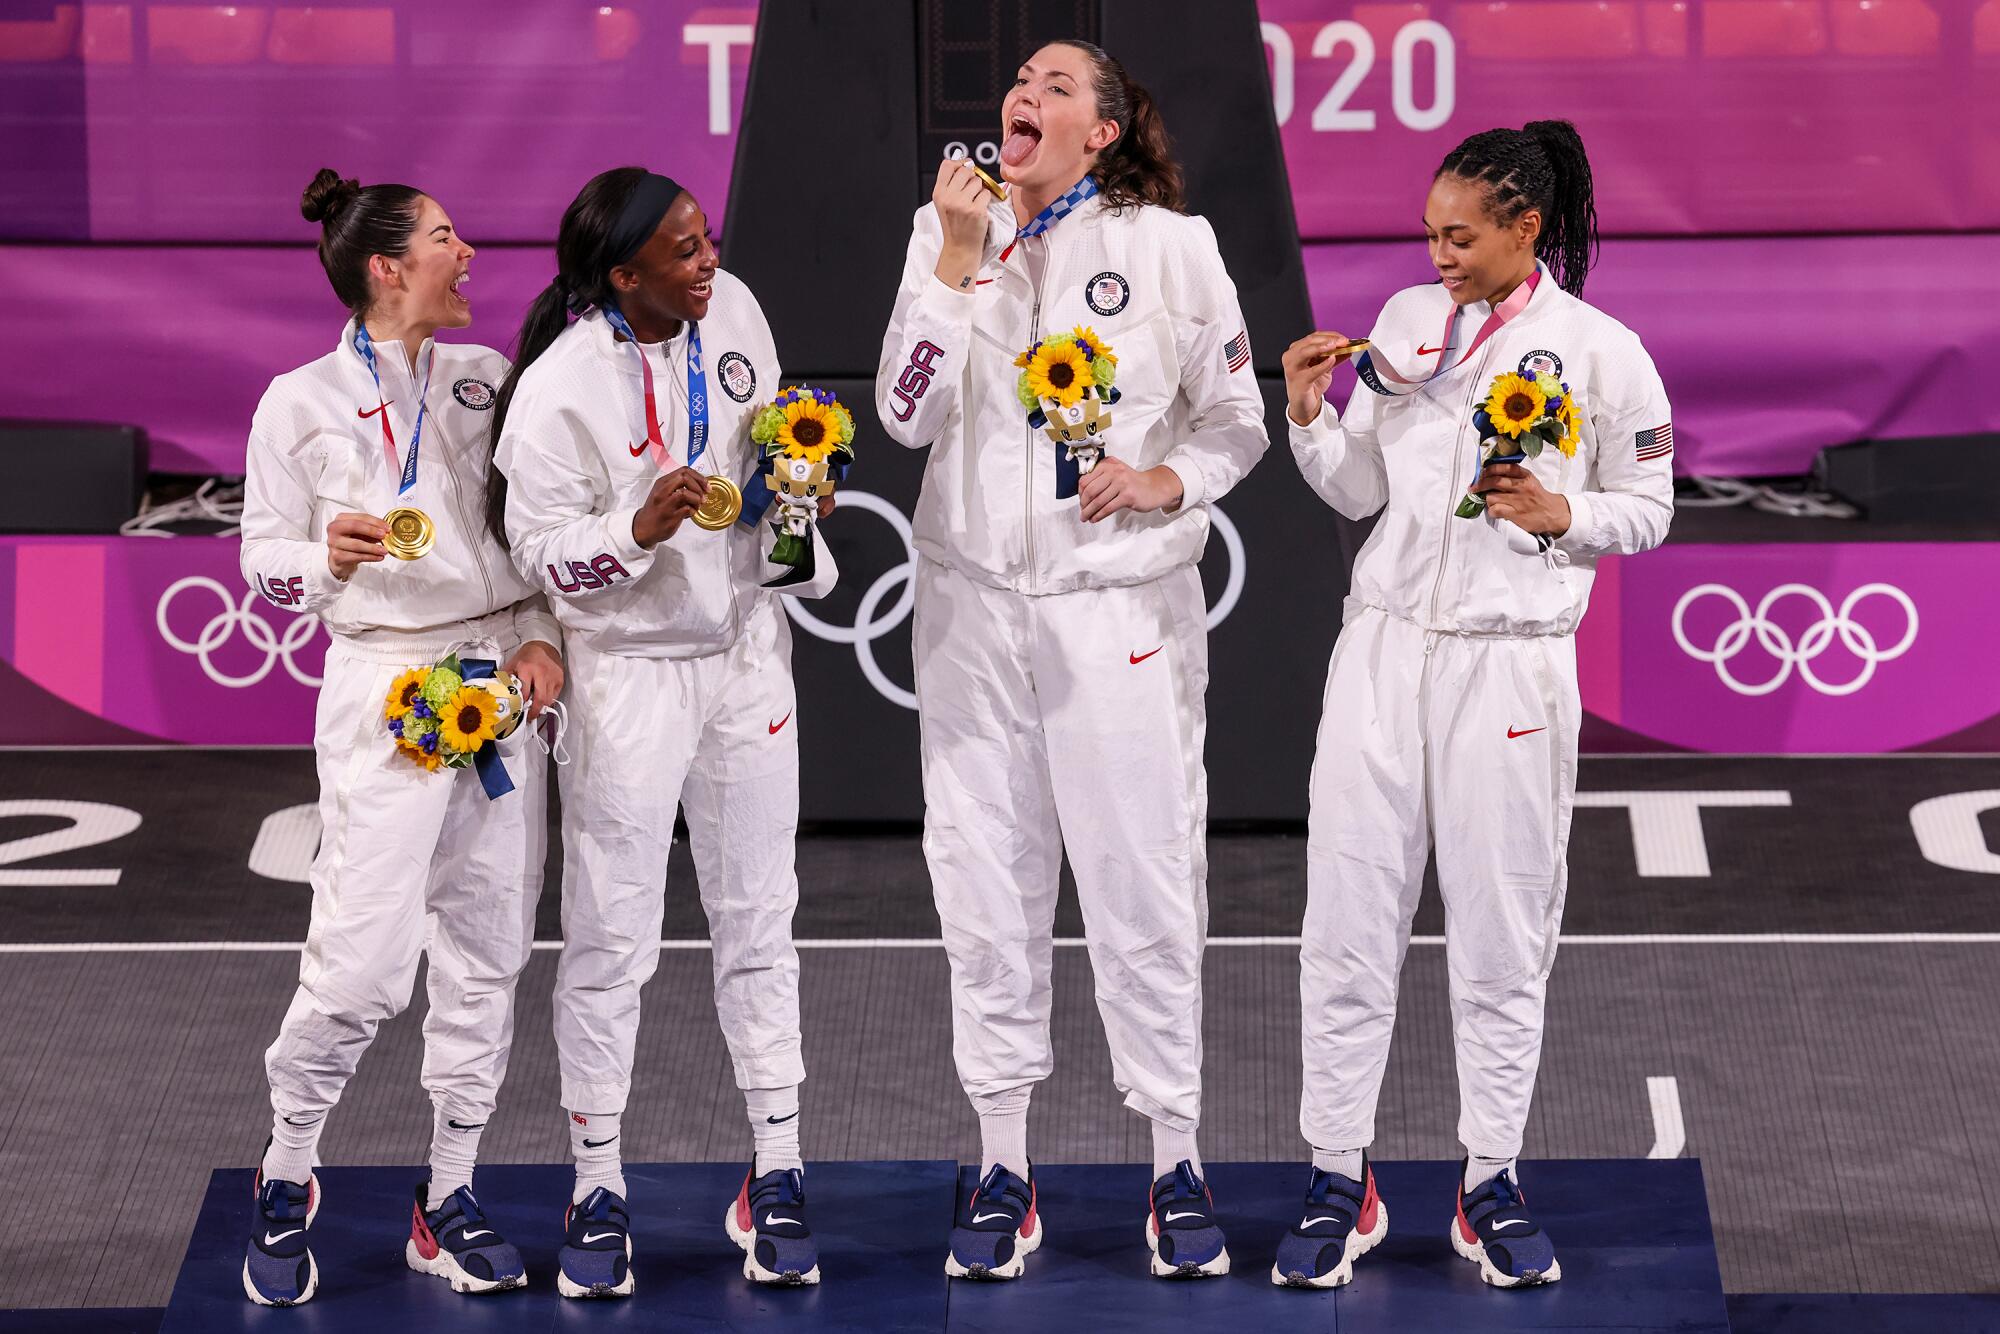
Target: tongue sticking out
<point>1019,144</point>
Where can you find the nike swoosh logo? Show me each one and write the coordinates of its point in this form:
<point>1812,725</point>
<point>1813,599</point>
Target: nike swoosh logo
<point>1511,733</point>
<point>271,1239</point>
<point>1138,658</point>
<point>1506,1223</point>
<point>772,1220</point>
<point>1185,1213</point>
<point>779,1120</point>
<point>366,413</point>
<point>308,1121</point>
<point>1423,351</point>
<point>1323,1218</point>
<point>483,1232</point>
<point>775,729</point>
<point>637,449</point>
<point>589,1237</point>
<point>460,1125</point>
<point>599,1143</point>
<point>981,1218</point>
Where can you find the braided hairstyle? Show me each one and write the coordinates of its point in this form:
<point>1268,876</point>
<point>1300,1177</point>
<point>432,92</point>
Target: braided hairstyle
<point>1137,167</point>
<point>1540,166</point>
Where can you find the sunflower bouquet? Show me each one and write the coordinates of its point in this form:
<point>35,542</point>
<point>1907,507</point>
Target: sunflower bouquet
<point>808,441</point>
<point>1522,415</point>
<point>1066,384</point>
<point>453,714</point>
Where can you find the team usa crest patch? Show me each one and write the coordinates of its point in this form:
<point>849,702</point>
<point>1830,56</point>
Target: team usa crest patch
<point>1542,362</point>
<point>475,394</point>
<point>738,376</point>
<point>1108,292</point>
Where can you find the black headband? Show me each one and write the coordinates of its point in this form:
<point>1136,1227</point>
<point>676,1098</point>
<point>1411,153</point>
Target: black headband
<point>637,222</point>
<point>650,200</point>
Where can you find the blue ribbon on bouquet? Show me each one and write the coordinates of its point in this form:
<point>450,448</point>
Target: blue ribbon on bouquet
<point>486,760</point>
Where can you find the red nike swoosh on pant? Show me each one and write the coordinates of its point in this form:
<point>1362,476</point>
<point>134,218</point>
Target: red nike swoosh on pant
<point>1511,733</point>
<point>777,726</point>
<point>637,449</point>
<point>1423,351</point>
<point>366,413</point>
<point>1138,658</point>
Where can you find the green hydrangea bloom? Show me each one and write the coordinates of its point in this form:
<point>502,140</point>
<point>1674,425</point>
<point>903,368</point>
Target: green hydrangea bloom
<point>441,685</point>
<point>845,433</point>
<point>416,729</point>
<point>1104,370</point>
<point>764,427</point>
<point>1025,394</point>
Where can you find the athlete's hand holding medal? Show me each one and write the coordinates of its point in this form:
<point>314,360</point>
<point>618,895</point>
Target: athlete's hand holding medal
<point>1309,365</point>
<point>675,496</point>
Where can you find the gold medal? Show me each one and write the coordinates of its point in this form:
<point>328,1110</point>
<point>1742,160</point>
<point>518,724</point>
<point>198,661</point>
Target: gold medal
<point>992,186</point>
<point>411,533</point>
<point>720,506</point>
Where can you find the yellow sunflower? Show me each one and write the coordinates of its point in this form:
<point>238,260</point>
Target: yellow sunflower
<point>810,430</point>
<point>1570,420</point>
<point>1059,371</point>
<point>1515,404</point>
<point>1083,334</point>
<point>467,720</point>
<point>405,692</point>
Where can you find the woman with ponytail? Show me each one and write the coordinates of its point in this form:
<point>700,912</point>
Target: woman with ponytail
<point>1060,637</point>
<point>1450,717</point>
<point>611,431</point>
<point>414,858</point>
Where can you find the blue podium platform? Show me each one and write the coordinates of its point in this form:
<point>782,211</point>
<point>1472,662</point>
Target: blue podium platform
<point>1634,1236</point>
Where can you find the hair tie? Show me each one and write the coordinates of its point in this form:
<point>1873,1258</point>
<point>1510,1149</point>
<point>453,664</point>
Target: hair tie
<point>572,300</point>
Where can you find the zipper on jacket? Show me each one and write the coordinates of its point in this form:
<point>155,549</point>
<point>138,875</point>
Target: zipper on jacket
<point>1034,332</point>
<point>471,534</point>
<point>1454,491</point>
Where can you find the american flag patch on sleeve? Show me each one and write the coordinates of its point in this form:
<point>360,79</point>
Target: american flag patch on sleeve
<point>1237,351</point>
<point>1655,443</point>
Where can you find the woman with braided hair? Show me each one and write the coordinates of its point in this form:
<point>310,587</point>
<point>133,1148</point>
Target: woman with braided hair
<point>1451,709</point>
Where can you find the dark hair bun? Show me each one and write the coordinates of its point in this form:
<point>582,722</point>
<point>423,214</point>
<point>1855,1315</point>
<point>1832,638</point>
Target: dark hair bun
<point>328,194</point>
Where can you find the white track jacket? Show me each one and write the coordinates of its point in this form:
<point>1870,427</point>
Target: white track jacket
<point>1412,458</point>
<point>1152,285</point>
<point>316,450</point>
<point>574,482</point>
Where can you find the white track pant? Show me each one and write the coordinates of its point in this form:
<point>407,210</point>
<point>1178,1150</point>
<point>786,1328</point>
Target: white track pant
<point>1070,720</point>
<point>719,736</point>
<point>410,862</point>
<point>1470,745</point>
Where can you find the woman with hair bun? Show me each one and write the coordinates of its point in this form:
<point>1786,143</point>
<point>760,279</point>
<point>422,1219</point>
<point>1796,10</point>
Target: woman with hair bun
<point>413,857</point>
<point>1451,709</point>
<point>1061,638</point>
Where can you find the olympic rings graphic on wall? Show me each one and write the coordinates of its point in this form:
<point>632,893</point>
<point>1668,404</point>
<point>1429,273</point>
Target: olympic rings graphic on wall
<point>1799,656</point>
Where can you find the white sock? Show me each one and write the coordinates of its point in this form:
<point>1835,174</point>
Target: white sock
<point>774,1127</point>
<point>1003,1133</point>
<point>1479,1171</point>
<point>1170,1146</point>
<point>454,1149</point>
<point>593,1142</point>
<point>294,1146</point>
<point>1340,1162</point>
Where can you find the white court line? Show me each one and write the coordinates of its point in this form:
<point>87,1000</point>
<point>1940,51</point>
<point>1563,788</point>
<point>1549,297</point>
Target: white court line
<point>1669,1128</point>
<point>1065,942</point>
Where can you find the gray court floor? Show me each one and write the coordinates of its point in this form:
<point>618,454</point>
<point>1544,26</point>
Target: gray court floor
<point>1715,995</point>
<point>1841,1097</point>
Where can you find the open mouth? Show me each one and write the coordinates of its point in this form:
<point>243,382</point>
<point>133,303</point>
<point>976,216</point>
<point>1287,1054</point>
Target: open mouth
<point>1023,137</point>
<point>458,288</point>
<point>703,290</point>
